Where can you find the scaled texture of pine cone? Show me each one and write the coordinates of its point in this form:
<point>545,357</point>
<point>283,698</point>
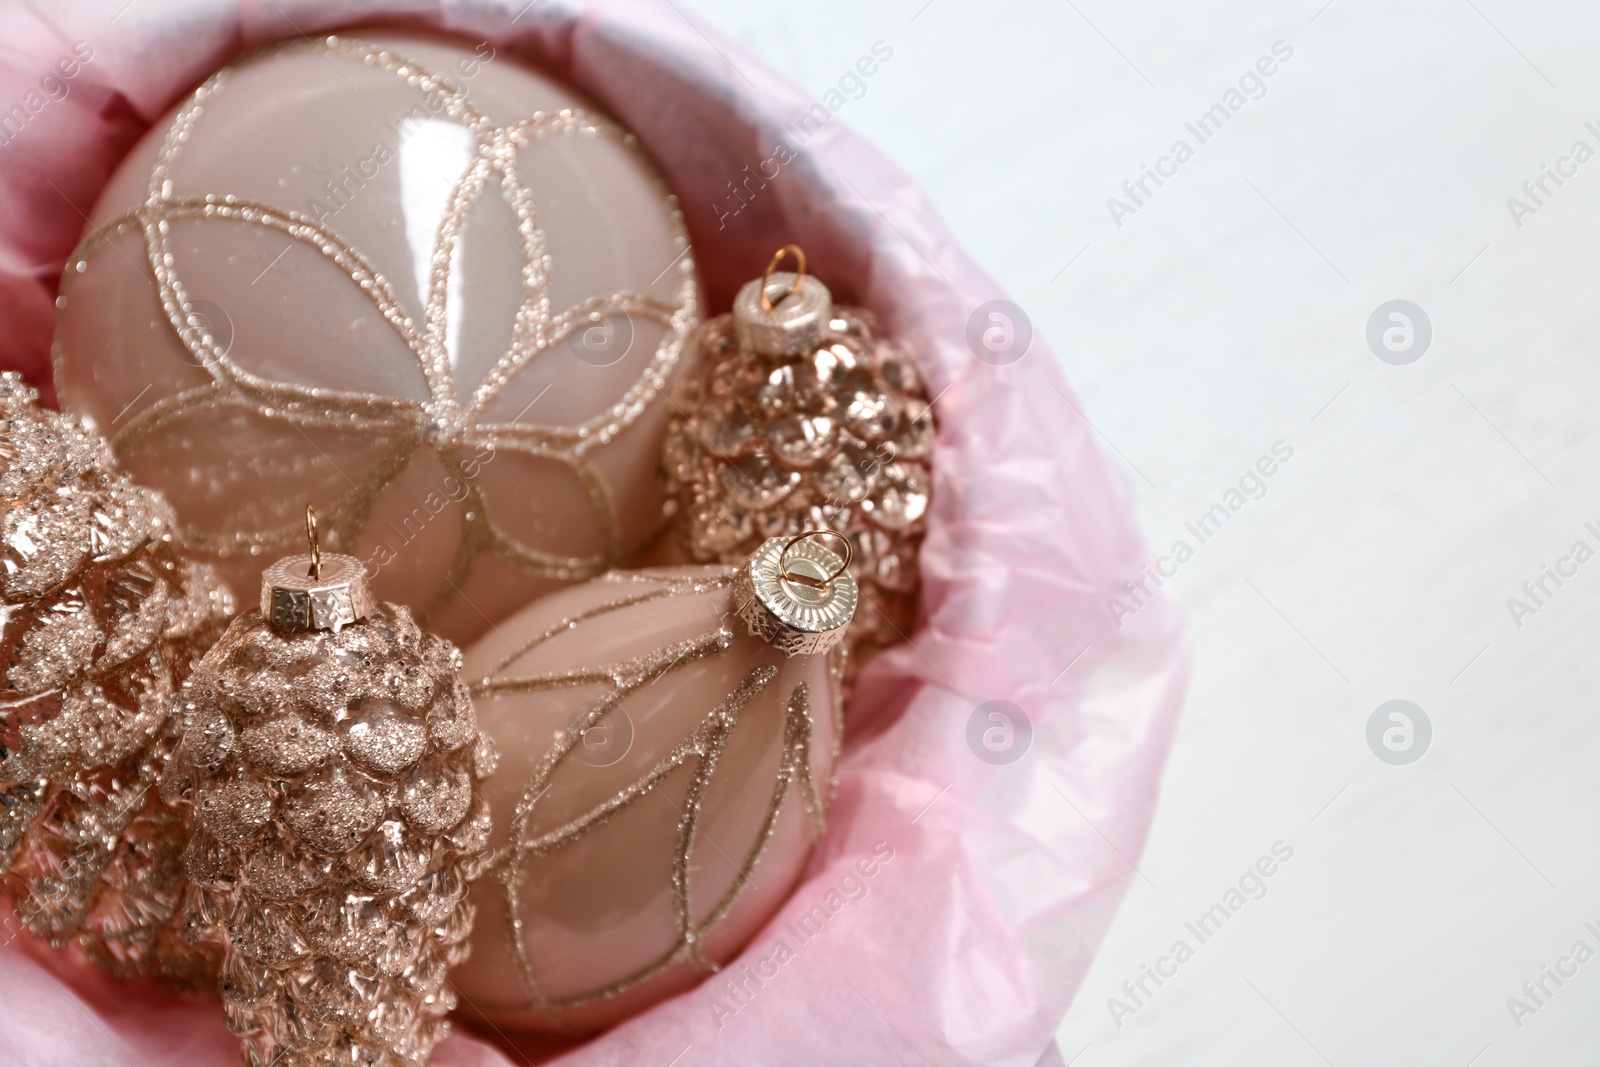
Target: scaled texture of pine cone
<point>838,437</point>
<point>339,820</point>
<point>102,619</point>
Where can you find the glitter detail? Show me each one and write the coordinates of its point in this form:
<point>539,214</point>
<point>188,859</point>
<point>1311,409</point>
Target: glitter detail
<point>699,750</point>
<point>452,427</point>
<point>101,619</point>
<point>339,823</point>
<point>834,436</point>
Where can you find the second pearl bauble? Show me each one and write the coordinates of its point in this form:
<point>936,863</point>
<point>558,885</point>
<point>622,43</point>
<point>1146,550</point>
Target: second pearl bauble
<point>669,740</point>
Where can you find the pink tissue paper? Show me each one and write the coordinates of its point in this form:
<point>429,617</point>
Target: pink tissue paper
<point>992,886</point>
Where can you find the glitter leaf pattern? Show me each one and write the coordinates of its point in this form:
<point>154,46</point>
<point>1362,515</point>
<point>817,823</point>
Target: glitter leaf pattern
<point>698,753</point>
<point>452,424</point>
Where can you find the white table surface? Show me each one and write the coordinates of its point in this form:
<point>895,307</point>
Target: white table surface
<point>1228,313</point>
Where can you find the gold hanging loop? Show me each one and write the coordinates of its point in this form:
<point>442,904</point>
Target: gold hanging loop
<point>800,272</point>
<point>808,580</point>
<point>315,572</point>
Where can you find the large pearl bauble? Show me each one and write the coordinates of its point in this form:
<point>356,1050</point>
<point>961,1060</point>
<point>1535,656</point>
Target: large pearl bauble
<point>426,289</point>
<point>663,775</point>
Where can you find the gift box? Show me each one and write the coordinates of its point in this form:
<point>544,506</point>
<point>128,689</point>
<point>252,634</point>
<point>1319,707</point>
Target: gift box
<point>964,883</point>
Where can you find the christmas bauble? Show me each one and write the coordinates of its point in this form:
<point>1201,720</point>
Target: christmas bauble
<point>426,288</point>
<point>102,620</point>
<point>668,740</point>
<point>798,414</point>
<point>333,762</point>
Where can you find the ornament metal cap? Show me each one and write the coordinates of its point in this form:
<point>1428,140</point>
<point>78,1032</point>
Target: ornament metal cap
<point>315,592</point>
<point>795,594</point>
<point>782,314</point>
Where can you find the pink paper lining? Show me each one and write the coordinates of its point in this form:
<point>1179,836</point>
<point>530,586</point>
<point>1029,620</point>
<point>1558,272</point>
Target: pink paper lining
<point>999,882</point>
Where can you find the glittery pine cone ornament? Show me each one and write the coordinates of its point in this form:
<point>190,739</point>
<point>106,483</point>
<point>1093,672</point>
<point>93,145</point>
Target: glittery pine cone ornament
<point>800,415</point>
<point>333,760</point>
<point>102,620</point>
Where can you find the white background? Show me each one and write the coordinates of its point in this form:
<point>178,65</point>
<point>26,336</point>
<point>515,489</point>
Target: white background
<point>1230,312</point>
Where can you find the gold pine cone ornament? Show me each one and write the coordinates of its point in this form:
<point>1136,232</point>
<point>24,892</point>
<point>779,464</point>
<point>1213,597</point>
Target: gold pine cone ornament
<point>333,759</point>
<point>102,619</point>
<point>800,415</point>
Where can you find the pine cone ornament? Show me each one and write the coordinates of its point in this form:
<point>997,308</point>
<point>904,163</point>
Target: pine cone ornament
<point>799,415</point>
<point>333,760</point>
<point>102,620</point>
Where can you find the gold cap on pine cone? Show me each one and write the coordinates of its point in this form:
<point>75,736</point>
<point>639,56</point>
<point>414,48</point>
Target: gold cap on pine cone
<point>100,621</point>
<point>313,591</point>
<point>333,761</point>
<point>798,414</point>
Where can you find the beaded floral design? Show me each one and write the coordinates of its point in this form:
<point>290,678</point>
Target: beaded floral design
<point>458,426</point>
